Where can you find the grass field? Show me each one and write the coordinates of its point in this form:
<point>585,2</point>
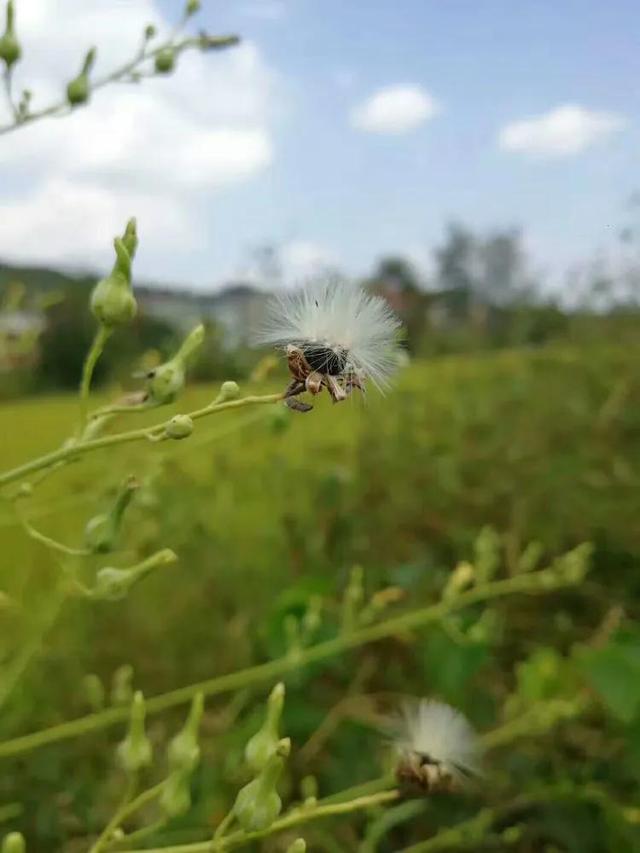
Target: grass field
<point>267,509</point>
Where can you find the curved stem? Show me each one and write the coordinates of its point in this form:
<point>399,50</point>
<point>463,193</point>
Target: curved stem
<point>534,583</point>
<point>97,347</point>
<point>79,449</point>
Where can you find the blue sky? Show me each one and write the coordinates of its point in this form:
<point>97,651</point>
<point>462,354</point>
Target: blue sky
<point>339,132</point>
<point>487,63</point>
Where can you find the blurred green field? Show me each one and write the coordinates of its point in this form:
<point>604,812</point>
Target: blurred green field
<point>267,508</point>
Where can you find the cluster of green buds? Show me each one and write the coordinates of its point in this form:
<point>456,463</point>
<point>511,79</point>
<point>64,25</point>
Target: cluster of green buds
<point>79,88</point>
<point>135,752</point>
<point>183,755</point>
<point>102,531</point>
<point>112,300</point>
<point>114,584</point>
<point>10,50</point>
<point>166,381</point>
<point>258,803</point>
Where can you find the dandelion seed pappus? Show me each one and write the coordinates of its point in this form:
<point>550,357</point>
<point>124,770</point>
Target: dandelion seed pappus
<point>335,336</point>
<point>437,750</point>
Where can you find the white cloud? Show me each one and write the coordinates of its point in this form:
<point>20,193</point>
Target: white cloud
<point>566,130</point>
<point>394,109</point>
<point>74,223</point>
<point>154,150</point>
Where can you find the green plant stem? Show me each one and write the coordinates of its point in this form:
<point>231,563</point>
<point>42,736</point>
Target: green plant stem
<point>118,816</point>
<point>48,542</point>
<point>296,817</point>
<point>125,72</point>
<point>96,349</point>
<point>74,451</point>
<point>532,583</point>
<point>129,805</point>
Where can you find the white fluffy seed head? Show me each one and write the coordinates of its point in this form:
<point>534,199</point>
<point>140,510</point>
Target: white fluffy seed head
<point>441,735</point>
<point>342,317</point>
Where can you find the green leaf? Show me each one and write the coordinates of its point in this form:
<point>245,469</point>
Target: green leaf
<point>614,672</point>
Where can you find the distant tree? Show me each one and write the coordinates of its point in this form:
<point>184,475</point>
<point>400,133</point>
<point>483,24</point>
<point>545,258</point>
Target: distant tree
<point>398,281</point>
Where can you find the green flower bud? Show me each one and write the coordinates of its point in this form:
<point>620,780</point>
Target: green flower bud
<point>298,846</point>
<point>184,750</point>
<point>460,578</point>
<point>258,803</point>
<point>192,7</point>
<point>130,237</point>
<point>180,426</point>
<point>167,380</point>
<point>121,689</point>
<point>149,32</point>
<point>228,391</point>
<point>309,788</point>
<point>135,751</point>
<point>175,798</point>
<point>94,691</point>
<point>14,843</point>
<point>78,89</point>
<point>101,532</point>
<point>165,61</point>
<point>353,597</point>
<point>114,584</point>
<point>10,50</point>
<point>264,742</point>
<point>112,300</point>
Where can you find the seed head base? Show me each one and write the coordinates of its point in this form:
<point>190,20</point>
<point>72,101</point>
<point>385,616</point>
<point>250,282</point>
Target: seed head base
<point>315,367</point>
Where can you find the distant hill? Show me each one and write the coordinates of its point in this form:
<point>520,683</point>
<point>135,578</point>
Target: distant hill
<point>43,278</point>
<point>237,306</point>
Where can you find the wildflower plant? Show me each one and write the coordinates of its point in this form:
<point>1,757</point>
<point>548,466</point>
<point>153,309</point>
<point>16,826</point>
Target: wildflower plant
<point>338,337</point>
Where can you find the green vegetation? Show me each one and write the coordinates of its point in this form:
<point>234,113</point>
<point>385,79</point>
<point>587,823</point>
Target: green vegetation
<point>468,459</point>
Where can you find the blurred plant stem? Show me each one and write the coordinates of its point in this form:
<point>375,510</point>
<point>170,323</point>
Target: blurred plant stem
<point>128,72</point>
<point>533,583</point>
<point>296,817</point>
<point>102,335</point>
<point>152,433</point>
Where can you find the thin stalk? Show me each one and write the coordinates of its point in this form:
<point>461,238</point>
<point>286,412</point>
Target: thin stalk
<point>128,806</point>
<point>296,817</point>
<point>102,335</point>
<point>152,433</point>
<point>532,583</point>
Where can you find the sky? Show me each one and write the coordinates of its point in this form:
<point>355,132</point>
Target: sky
<point>338,132</point>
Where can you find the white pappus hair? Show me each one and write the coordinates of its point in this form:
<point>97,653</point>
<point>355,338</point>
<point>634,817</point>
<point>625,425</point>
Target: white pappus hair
<point>339,316</point>
<point>441,735</point>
